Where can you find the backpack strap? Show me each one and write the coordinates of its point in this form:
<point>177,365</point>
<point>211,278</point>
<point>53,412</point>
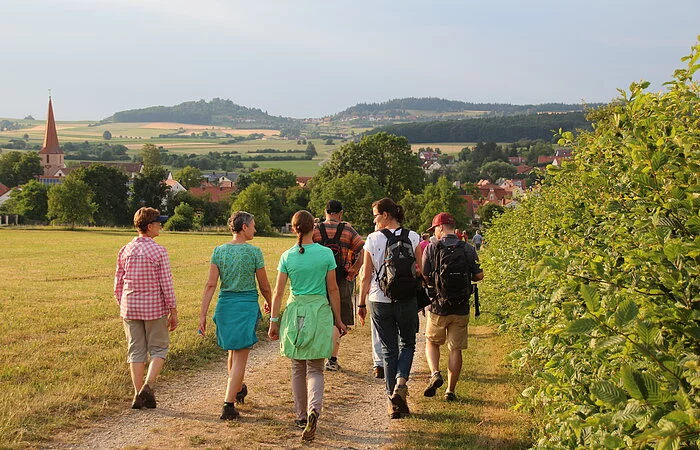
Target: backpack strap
<point>322,230</point>
<point>389,236</point>
<point>339,231</point>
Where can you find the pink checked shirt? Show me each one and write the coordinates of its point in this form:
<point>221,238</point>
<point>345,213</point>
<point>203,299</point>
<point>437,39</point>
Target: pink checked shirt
<point>143,284</point>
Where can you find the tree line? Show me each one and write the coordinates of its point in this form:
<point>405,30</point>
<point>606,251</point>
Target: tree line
<point>496,129</point>
<point>215,112</point>
<point>439,105</point>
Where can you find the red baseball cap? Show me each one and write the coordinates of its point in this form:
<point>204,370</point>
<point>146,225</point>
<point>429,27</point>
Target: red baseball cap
<point>442,219</point>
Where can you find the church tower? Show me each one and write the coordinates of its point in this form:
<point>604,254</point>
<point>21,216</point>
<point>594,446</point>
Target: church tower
<point>50,153</point>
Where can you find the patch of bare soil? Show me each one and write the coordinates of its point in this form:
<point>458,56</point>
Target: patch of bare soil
<point>354,414</point>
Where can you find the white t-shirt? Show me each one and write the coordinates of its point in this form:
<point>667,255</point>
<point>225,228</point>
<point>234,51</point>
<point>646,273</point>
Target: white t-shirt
<point>376,245</point>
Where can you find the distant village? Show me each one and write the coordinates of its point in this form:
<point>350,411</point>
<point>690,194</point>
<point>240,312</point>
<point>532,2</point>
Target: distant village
<point>216,185</point>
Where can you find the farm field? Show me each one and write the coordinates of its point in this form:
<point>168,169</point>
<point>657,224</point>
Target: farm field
<point>135,135</point>
<point>62,345</point>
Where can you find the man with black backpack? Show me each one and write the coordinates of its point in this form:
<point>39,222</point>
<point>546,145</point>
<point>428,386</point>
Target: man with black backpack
<point>450,266</point>
<point>346,245</point>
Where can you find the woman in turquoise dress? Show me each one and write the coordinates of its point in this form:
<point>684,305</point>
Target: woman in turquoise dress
<point>237,264</point>
<point>306,328</point>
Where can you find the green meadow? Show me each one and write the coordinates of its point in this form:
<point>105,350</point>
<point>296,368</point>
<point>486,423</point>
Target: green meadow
<point>62,348</point>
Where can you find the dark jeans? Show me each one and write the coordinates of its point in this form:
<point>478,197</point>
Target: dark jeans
<point>397,325</point>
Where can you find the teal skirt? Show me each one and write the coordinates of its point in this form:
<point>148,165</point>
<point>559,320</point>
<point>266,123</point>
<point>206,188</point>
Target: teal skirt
<point>236,317</point>
<point>306,328</point>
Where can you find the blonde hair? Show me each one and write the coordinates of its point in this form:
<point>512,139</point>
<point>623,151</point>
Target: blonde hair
<point>302,222</point>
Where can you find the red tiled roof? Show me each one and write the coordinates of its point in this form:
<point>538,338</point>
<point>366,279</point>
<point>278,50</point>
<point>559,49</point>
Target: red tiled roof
<point>214,193</point>
<point>50,137</point>
<point>3,189</point>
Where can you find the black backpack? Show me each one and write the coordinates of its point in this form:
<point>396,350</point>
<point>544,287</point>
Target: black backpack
<point>398,279</point>
<point>334,245</point>
<point>451,273</point>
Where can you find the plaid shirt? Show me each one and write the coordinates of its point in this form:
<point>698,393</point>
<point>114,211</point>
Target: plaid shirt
<point>143,283</point>
<point>350,241</point>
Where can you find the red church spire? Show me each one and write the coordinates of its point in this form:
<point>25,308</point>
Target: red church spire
<point>51,137</point>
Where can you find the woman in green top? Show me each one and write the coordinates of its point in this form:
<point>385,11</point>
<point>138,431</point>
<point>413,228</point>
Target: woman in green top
<point>238,264</point>
<point>306,329</point>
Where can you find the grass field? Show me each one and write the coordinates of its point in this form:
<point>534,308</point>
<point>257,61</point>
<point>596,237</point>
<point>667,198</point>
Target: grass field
<point>62,348</point>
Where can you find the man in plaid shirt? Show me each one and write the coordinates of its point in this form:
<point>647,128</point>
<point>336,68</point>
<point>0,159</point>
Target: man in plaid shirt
<point>143,287</point>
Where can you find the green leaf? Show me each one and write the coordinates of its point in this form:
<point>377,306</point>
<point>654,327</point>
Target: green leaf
<point>651,386</point>
<point>669,443</point>
<point>678,417</point>
<point>626,312</point>
<point>610,342</point>
<point>633,385</point>
<point>581,326</point>
<point>608,392</point>
<point>591,297</point>
<point>613,442</point>
<point>673,250</point>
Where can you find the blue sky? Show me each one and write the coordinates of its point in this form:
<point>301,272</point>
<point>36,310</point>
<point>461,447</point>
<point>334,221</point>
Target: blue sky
<point>310,58</point>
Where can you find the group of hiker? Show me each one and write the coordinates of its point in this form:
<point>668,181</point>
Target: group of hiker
<point>394,268</point>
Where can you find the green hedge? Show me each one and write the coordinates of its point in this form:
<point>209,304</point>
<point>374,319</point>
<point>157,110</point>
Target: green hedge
<point>598,273</point>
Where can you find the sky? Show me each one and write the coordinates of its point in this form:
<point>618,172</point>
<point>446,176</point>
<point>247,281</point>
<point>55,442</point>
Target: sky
<point>311,58</point>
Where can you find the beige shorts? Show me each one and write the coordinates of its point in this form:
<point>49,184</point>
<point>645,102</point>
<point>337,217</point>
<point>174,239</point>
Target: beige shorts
<point>146,337</point>
<point>451,329</point>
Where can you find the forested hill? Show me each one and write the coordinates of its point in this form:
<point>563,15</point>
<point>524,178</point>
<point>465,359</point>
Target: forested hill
<point>492,129</point>
<point>407,107</point>
<point>216,112</point>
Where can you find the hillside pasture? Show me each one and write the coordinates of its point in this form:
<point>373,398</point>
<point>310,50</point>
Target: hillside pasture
<point>62,346</point>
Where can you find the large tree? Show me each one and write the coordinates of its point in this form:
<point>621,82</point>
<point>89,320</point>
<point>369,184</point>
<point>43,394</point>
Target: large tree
<point>356,192</point>
<point>494,170</point>
<point>386,158</point>
<point>70,203</point>
<point>151,158</point>
<point>149,189</point>
<point>110,192</point>
<point>190,177</point>
<point>30,201</point>
<point>16,168</point>
<point>255,200</point>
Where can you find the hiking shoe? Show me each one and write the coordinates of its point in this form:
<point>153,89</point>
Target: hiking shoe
<point>379,372</point>
<point>332,366</point>
<point>137,403</point>
<point>300,423</point>
<point>229,412</point>
<point>240,397</point>
<point>393,410</point>
<point>147,396</point>
<point>309,432</point>
<point>398,399</point>
<point>435,382</point>
<point>450,397</point>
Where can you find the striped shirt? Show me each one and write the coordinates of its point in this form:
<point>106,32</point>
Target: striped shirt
<point>143,283</point>
<point>350,241</point>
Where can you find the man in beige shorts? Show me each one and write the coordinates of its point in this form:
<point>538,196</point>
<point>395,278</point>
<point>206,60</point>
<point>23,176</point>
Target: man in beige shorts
<point>450,266</point>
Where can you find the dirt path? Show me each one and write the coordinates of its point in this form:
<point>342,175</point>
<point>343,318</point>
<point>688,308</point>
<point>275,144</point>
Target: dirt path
<point>354,414</point>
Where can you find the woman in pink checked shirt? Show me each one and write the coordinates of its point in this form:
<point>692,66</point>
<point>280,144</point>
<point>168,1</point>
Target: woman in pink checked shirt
<point>143,287</point>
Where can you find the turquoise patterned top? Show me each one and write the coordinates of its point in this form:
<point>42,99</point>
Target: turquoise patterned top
<point>237,264</point>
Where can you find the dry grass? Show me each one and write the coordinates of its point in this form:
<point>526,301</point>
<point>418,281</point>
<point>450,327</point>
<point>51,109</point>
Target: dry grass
<point>61,342</point>
<point>482,417</point>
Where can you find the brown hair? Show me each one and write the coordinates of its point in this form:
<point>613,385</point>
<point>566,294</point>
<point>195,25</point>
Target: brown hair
<point>302,222</point>
<point>144,216</point>
<point>387,205</point>
<point>238,219</point>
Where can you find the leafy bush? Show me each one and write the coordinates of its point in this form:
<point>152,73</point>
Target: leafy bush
<point>598,272</point>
